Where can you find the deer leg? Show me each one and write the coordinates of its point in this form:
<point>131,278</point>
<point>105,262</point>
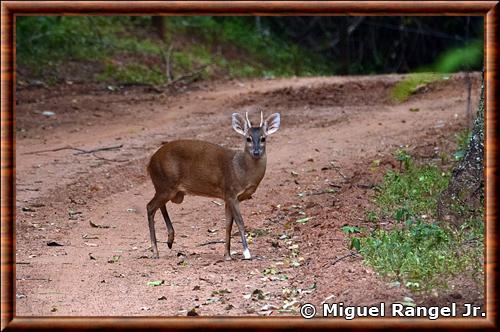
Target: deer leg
<point>229,227</point>
<point>152,207</point>
<point>170,228</point>
<point>235,209</point>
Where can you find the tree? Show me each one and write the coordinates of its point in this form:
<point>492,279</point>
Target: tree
<point>158,23</point>
<point>465,193</point>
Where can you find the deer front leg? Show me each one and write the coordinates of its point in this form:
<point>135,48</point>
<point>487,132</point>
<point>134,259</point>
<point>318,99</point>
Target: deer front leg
<point>229,227</point>
<point>235,210</point>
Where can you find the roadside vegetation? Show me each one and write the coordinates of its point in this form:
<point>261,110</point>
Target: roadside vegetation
<point>451,61</point>
<point>413,247</point>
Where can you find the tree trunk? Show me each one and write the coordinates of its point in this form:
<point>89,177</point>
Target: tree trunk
<point>158,23</point>
<point>465,193</point>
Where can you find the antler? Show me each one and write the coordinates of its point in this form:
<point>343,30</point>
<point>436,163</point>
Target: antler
<point>261,118</point>
<point>248,121</point>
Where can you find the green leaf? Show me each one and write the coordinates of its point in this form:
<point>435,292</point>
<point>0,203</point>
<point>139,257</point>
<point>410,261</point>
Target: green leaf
<point>350,229</point>
<point>303,220</point>
<point>156,283</point>
<point>355,243</point>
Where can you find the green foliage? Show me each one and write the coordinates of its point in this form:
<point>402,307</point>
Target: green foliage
<point>461,58</point>
<point>44,42</point>
<point>420,254</point>
<point>355,244</point>
<point>411,84</point>
<point>350,229</point>
<point>417,251</point>
<point>371,216</point>
<point>52,38</point>
<point>132,74</point>
<point>403,157</point>
<point>413,192</point>
<point>268,55</point>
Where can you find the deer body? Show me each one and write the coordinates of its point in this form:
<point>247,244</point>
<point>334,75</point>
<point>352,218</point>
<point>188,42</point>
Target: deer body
<point>194,167</point>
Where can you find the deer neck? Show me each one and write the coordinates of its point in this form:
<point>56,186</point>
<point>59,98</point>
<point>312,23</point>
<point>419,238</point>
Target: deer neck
<point>252,169</point>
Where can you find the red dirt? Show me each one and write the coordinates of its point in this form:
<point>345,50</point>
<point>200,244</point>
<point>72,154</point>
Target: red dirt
<point>346,122</point>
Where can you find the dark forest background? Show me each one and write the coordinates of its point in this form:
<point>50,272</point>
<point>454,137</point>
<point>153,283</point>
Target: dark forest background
<point>154,50</point>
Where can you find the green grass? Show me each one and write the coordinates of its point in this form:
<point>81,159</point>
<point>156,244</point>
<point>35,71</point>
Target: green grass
<point>423,255</point>
<point>412,83</point>
<point>412,192</point>
<point>463,139</point>
<point>453,60</point>
<point>419,251</point>
<point>132,74</point>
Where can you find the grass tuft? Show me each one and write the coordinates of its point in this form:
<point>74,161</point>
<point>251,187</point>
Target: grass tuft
<point>411,84</point>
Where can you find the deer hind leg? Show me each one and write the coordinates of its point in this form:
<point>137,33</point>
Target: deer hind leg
<point>170,228</point>
<point>157,202</point>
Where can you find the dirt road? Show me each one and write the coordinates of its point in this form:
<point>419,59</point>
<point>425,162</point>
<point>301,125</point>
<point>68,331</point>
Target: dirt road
<point>319,166</point>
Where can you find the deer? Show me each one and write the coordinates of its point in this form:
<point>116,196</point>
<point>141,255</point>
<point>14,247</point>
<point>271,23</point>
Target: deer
<point>201,168</point>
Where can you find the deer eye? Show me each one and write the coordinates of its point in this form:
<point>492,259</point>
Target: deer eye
<point>249,140</point>
<point>262,139</point>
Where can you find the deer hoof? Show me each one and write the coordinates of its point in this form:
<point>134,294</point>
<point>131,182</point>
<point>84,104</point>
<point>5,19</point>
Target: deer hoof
<point>155,255</point>
<point>246,254</point>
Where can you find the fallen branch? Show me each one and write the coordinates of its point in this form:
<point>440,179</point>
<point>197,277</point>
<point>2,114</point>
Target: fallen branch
<point>107,148</point>
<point>351,254</point>
<point>211,242</point>
<point>80,151</point>
<point>188,75</point>
<point>51,150</point>
<point>107,159</point>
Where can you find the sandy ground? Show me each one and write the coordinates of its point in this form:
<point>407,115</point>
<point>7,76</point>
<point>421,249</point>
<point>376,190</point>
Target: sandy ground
<point>320,165</point>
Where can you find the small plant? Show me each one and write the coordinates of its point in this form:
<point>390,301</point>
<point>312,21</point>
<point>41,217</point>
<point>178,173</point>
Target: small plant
<point>355,244</point>
<point>350,229</point>
<point>463,138</point>
<point>403,157</point>
<point>371,216</point>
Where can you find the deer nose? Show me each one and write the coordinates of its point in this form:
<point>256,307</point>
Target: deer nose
<point>256,153</point>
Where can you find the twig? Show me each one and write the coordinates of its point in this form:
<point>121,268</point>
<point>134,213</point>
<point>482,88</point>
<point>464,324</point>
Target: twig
<point>113,160</point>
<point>80,151</point>
<point>341,174</point>
<point>188,75</point>
<point>168,63</point>
<point>107,148</point>
<point>351,254</point>
<point>211,242</point>
<point>206,280</point>
<point>51,150</point>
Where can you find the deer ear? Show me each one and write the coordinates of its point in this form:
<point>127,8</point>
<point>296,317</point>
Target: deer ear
<point>272,124</point>
<point>239,124</point>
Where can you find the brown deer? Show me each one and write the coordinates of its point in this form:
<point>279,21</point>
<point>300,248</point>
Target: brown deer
<point>201,168</point>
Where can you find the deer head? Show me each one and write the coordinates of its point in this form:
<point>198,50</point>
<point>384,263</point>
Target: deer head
<point>255,136</point>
